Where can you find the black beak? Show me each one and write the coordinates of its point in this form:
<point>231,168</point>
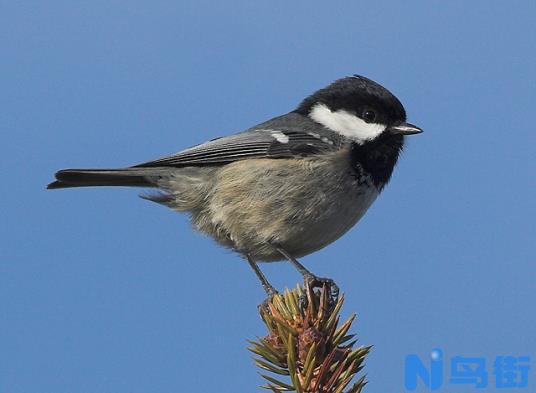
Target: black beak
<point>404,129</point>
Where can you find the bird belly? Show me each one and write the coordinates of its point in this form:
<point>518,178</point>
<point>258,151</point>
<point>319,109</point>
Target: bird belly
<point>301,205</point>
<point>314,232</point>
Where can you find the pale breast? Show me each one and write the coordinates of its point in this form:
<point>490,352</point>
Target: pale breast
<point>300,204</point>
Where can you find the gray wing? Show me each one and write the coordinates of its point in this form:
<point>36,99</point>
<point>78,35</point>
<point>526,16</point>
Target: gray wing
<point>287,136</point>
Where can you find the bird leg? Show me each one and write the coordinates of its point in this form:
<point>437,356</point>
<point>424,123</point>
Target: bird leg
<point>270,290</point>
<point>313,280</point>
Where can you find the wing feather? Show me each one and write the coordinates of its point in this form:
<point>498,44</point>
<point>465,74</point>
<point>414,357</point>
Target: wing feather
<point>261,142</point>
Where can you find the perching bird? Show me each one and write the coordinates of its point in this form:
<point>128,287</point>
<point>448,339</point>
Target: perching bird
<point>286,187</point>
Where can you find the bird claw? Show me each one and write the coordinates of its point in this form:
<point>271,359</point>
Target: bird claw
<point>303,302</point>
<point>271,292</point>
<point>319,282</point>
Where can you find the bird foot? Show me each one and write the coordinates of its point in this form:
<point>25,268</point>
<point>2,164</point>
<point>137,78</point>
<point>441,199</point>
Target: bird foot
<point>270,292</point>
<point>320,282</point>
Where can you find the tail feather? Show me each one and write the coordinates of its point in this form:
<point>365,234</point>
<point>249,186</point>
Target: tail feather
<point>130,177</point>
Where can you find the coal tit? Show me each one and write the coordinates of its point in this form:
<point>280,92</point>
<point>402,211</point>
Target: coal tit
<point>286,187</point>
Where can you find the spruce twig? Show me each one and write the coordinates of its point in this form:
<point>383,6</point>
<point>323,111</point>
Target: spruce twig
<point>306,350</point>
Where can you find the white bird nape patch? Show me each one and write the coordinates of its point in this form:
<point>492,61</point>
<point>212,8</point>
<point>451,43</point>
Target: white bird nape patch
<point>346,124</point>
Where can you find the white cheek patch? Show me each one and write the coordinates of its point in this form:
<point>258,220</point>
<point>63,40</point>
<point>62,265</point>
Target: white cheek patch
<point>346,123</point>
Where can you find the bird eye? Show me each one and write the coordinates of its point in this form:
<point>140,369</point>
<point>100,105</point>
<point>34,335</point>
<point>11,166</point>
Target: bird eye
<point>369,116</point>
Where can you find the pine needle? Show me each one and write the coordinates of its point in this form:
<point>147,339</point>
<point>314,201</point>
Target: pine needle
<point>306,348</point>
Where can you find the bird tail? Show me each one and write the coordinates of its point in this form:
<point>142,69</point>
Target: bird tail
<point>128,177</point>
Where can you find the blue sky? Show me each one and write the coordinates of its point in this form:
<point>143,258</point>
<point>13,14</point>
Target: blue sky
<point>101,291</point>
